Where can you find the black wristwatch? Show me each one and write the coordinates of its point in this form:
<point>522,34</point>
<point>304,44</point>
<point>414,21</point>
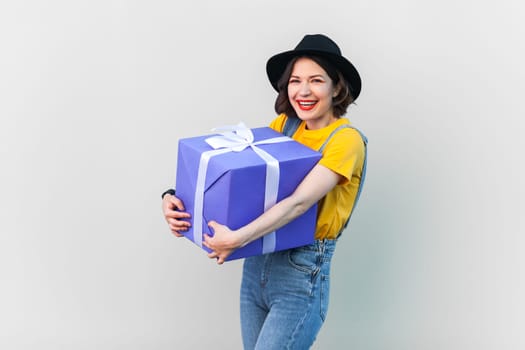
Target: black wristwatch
<point>170,191</point>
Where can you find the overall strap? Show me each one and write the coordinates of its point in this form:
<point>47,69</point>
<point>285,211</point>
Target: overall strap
<point>363,172</point>
<point>291,125</point>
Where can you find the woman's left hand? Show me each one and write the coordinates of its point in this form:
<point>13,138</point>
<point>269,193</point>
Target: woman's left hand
<point>223,242</point>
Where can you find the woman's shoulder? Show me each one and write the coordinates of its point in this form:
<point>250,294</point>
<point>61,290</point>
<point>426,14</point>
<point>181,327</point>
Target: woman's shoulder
<point>345,139</point>
<point>345,132</point>
<point>278,123</point>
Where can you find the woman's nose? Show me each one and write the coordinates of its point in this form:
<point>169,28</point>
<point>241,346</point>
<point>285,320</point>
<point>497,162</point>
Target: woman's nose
<point>305,89</point>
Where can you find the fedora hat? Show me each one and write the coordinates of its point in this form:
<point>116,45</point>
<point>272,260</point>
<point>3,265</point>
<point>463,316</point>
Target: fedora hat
<point>316,45</point>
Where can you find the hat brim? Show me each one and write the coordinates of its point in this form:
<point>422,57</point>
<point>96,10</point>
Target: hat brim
<point>277,64</point>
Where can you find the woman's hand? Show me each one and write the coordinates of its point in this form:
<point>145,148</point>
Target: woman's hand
<point>173,210</point>
<point>223,242</point>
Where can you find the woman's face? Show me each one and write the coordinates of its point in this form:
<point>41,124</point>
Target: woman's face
<point>310,92</point>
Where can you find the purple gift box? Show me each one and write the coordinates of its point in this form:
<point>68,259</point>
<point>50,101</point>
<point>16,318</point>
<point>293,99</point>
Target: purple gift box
<point>234,182</point>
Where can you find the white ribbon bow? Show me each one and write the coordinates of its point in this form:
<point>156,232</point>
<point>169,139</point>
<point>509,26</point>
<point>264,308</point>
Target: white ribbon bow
<point>236,138</point>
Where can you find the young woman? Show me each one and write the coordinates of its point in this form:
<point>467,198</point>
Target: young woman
<point>284,295</point>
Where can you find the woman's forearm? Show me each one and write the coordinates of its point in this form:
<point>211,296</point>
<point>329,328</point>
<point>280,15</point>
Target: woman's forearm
<point>316,184</point>
<point>276,217</point>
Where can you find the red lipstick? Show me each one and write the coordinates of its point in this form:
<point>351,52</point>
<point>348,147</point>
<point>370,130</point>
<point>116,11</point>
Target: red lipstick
<point>306,105</point>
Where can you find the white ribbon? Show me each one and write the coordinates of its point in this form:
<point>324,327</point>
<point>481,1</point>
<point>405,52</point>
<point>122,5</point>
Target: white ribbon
<point>236,138</point>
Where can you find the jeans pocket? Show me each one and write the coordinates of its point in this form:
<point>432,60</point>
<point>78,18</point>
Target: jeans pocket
<point>304,259</point>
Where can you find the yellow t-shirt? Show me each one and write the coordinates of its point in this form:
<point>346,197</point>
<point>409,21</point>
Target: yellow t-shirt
<point>343,154</point>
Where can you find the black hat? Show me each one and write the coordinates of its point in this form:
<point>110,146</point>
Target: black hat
<point>316,45</point>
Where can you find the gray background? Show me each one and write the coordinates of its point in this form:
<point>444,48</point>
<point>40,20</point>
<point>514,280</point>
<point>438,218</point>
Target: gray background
<point>95,94</point>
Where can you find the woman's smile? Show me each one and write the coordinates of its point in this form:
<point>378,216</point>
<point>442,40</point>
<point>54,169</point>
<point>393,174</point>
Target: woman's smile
<point>306,105</point>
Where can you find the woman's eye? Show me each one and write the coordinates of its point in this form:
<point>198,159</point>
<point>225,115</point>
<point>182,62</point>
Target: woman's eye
<point>293,81</point>
<point>317,80</point>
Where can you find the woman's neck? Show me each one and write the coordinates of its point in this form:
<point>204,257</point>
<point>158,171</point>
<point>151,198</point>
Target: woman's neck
<point>320,123</point>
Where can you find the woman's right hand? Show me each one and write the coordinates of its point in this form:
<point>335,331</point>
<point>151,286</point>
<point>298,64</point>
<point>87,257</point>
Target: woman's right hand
<point>173,210</point>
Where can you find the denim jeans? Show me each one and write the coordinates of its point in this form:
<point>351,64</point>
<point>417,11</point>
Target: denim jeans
<point>284,297</point>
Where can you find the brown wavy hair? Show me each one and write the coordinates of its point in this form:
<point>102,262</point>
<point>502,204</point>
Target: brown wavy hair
<point>340,102</point>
